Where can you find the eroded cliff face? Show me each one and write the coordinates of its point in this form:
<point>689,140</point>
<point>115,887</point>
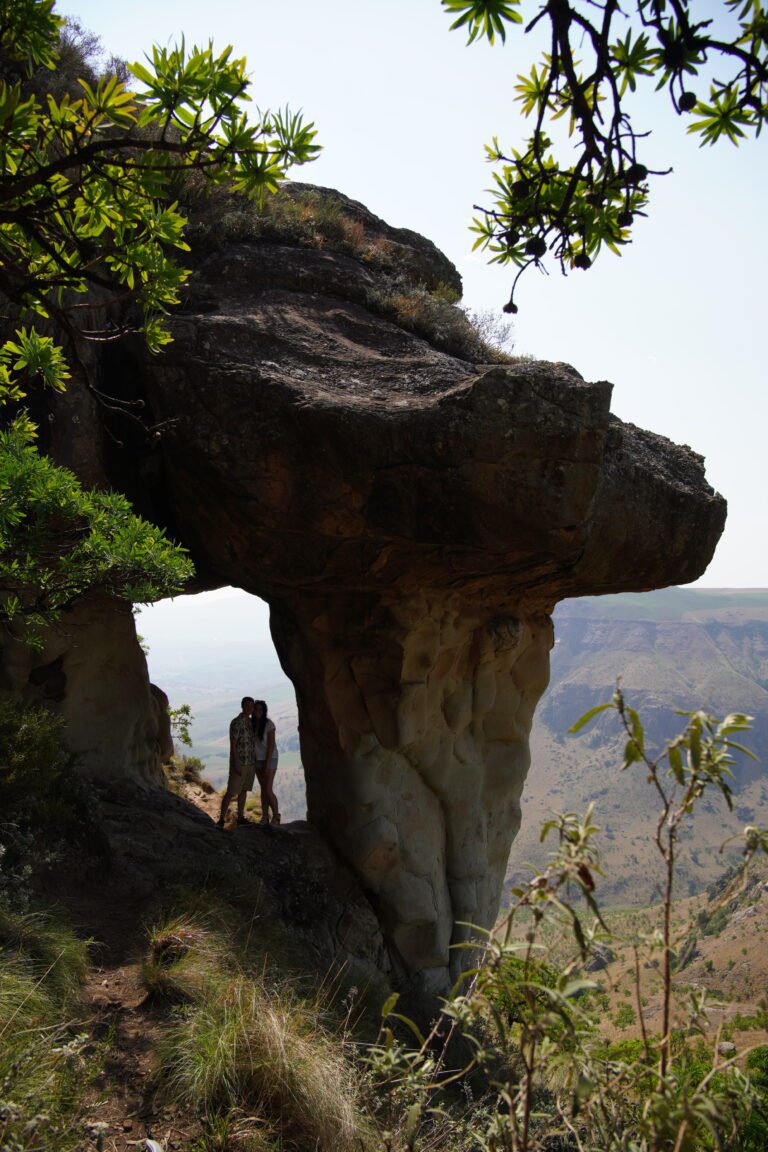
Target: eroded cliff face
<point>412,519</point>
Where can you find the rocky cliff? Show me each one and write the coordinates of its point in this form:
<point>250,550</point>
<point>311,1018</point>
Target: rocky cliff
<point>411,518</point>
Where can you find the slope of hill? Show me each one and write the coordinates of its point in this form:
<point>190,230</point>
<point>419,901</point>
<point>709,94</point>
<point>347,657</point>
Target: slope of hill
<point>678,649</point>
<point>681,648</point>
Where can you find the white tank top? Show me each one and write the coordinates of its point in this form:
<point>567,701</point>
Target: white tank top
<point>261,745</point>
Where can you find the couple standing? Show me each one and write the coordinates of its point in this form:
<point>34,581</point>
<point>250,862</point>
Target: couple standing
<point>252,755</point>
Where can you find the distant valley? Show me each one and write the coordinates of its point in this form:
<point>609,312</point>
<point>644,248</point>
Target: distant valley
<point>674,649</point>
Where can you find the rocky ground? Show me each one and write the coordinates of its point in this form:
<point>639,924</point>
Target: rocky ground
<point>301,904</point>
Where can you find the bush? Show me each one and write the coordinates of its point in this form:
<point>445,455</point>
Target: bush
<point>33,760</point>
<point>625,1016</point>
<point>517,981</point>
<point>182,770</point>
<point>443,324</point>
<point>311,218</point>
<point>548,1081</point>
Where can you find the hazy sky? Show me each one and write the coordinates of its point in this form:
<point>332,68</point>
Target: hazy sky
<point>403,109</point>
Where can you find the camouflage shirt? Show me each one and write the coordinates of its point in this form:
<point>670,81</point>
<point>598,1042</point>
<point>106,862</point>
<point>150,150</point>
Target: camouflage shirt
<point>242,735</point>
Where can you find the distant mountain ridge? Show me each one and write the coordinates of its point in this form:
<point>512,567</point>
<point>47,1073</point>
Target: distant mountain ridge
<point>674,649</point>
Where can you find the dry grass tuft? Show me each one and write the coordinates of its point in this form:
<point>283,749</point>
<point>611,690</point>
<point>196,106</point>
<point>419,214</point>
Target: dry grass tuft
<point>480,338</point>
<point>185,954</point>
<point>244,1048</point>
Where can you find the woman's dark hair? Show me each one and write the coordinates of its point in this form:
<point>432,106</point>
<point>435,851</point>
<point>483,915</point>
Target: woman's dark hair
<point>259,724</point>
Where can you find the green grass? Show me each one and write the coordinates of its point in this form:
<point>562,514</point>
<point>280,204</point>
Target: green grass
<point>45,950</point>
<point>42,1062</point>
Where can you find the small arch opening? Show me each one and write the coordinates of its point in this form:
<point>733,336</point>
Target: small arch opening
<point>207,651</point>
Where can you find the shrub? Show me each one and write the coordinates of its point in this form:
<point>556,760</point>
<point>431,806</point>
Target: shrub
<point>182,770</point>
<point>445,325</point>
<point>33,759</point>
<point>625,1016</point>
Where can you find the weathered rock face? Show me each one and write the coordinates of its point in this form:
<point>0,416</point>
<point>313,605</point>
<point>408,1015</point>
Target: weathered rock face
<point>92,670</point>
<point>411,519</point>
<point>415,721</point>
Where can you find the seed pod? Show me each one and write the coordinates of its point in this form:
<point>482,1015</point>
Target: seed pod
<point>636,173</point>
<point>582,261</point>
<point>687,102</point>
<point>536,246</point>
<point>624,219</point>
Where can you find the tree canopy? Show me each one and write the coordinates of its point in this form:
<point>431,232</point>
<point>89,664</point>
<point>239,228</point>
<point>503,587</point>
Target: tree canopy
<point>89,227</point>
<point>713,69</point>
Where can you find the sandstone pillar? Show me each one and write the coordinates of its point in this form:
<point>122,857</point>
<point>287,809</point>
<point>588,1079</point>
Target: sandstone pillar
<point>414,720</point>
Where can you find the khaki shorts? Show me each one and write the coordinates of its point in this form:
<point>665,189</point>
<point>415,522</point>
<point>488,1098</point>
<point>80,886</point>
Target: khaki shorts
<point>241,781</point>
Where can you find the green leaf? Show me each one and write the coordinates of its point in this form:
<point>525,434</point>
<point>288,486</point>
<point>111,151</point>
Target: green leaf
<point>588,717</point>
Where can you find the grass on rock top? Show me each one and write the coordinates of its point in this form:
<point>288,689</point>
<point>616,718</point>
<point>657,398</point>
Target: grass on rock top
<point>320,219</point>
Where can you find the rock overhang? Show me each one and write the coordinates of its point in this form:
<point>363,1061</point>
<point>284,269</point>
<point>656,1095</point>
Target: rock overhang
<point>411,518</point>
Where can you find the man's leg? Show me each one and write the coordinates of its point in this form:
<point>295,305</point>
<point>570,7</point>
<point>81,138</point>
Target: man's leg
<point>224,805</point>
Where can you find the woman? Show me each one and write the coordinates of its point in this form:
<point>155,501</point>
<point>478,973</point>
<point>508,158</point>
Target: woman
<point>266,761</point>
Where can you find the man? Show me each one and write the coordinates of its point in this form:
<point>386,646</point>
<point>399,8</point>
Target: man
<point>242,761</point>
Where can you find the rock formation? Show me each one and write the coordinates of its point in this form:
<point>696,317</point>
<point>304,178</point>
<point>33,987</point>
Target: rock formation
<point>411,519</point>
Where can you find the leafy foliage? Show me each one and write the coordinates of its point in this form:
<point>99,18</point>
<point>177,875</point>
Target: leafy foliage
<point>88,227</point>
<point>58,540</point>
<point>181,721</point>
<point>599,54</point>
<point>84,186</point>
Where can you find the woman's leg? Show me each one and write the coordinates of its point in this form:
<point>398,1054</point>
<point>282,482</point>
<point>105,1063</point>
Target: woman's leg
<point>241,804</point>
<point>269,776</point>
<point>261,777</point>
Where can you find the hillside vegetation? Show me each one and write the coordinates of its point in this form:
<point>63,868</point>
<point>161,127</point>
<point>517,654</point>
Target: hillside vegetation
<point>192,1021</point>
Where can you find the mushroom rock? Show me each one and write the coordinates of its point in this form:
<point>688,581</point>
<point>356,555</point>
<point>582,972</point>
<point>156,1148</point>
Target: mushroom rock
<point>411,518</point>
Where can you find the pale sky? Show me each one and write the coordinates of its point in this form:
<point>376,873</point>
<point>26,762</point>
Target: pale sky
<point>403,109</point>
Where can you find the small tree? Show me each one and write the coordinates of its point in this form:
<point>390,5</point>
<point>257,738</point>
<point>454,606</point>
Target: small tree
<point>88,228</point>
<point>598,53</point>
